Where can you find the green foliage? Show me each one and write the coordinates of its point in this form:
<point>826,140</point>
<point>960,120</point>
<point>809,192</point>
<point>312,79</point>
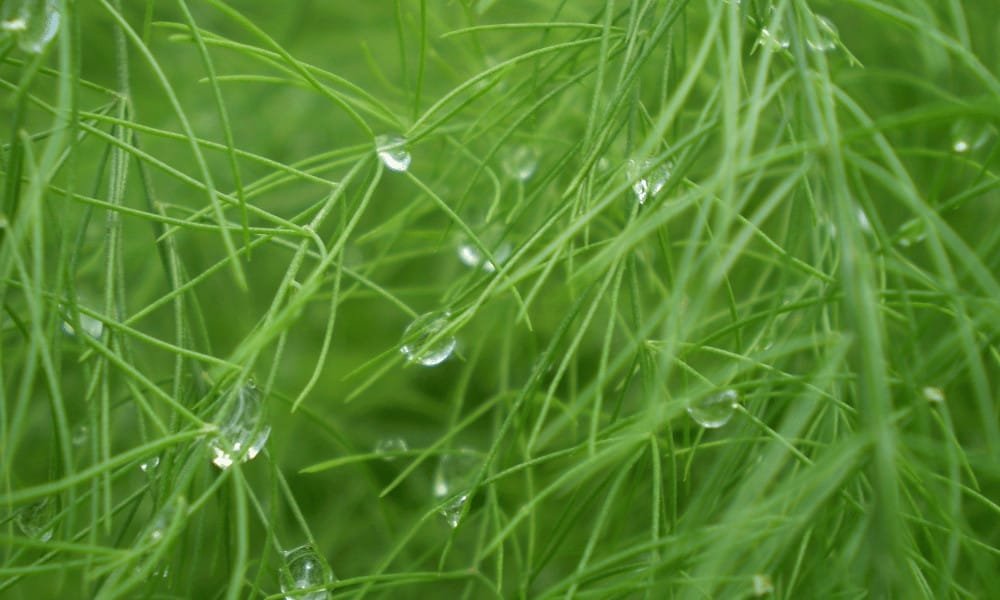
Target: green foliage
<point>612,221</point>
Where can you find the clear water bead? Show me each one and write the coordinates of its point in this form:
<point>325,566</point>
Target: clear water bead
<point>968,136</point>
<point>762,585</point>
<point>520,163</point>
<point>392,152</point>
<point>80,435</point>
<point>89,325</point>
<point>242,427</point>
<point>149,465</point>
<point>452,510</point>
<point>36,520</point>
<point>34,22</point>
<point>912,233</point>
<point>647,178</point>
<point>391,447</point>
<point>305,569</point>
<point>421,331</point>
<point>826,37</point>
<point>472,257</point>
<point>934,395</point>
<point>455,472</point>
<point>712,412</point>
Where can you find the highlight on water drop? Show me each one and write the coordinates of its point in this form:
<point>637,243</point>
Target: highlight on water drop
<point>647,177</point>
<point>419,344</point>
<point>392,152</point>
<point>305,569</point>
<point>391,447</point>
<point>715,410</point>
<point>520,162</point>
<point>34,23</point>
<point>38,520</point>
<point>243,429</point>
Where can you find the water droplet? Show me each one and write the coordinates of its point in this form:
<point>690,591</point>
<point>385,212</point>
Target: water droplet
<point>392,152</point>
<point>149,465</point>
<point>389,448</point>
<point>36,520</point>
<point>423,330</point>
<point>80,435</point>
<point>933,394</point>
<point>968,136</point>
<point>305,569</point>
<point>164,518</point>
<point>89,325</point>
<point>452,510</point>
<point>863,222</point>
<point>826,36</point>
<point>520,162</point>
<point>773,40</point>
<point>762,585</point>
<point>34,22</point>
<point>242,428</point>
<point>912,232</point>
<point>716,410</point>
<point>455,471</point>
<point>647,178</point>
<point>472,256</point>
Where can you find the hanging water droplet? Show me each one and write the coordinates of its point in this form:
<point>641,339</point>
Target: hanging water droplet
<point>164,518</point>
<point>305,569</point>
<point>933,394</point>
<point>421,331</point>
<point>34,22</point>
<point>242,427</point>
<point>520,162</point>
<point>391,447</point>
<point>89,325</point>
<point>392,152</point>
<point>715,410</point>
<point>863,222</point>
<point>912,232</point>
<point>647,179</point>
<point>762,585</point>
<point>80,434</point>
<point>968,136</point>
<point>826,37</point>
<point>773,39</point>
<point>472,256</point>
<point>454,472</point>
<point>36,520</point>
<point>149,465</point>
<point>452,510</point>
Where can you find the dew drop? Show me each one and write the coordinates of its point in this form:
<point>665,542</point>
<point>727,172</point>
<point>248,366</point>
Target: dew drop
<point>36,520</point>
<point>392,152</point>
<point>762,585</point>
<point>520,163</point>
<point>712,412</point>
<point>472,257</point>
<point>912,233</point>
<point>242,427</point>
<point>34,22</point>
<point>826,36</point>
<point>967,136</point>
<point>304,569</point>
<point>421,331</point>
<point>772,39</point>
<point>934,395</point>
<point>89,325</point>
<point>164,518</point>
<point>390,448</point>
<point>80,435</point>
<point>149,465</point>
<point>452,510</point>
<point>863,222</point>
<point>647,178</point>
<point>454,472</point>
